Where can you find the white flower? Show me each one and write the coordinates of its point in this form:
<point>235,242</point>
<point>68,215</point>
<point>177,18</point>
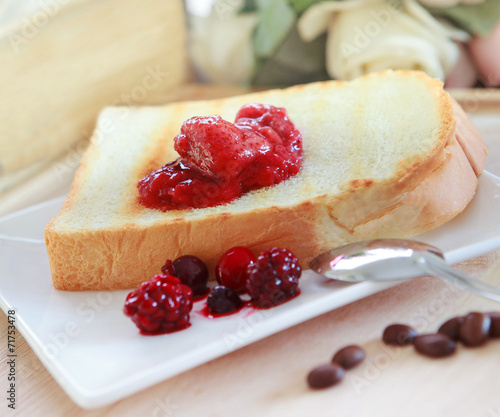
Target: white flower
<point>221,43</point>
<point>372,35</point>
<point>448,3</point>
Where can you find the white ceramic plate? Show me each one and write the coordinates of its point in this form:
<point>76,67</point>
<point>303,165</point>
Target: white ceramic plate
<point>96,353</point>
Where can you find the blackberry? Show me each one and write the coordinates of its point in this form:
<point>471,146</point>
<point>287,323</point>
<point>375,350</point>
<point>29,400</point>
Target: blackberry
<point>273,278</point>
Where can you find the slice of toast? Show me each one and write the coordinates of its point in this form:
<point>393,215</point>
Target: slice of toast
<point>387,155</point>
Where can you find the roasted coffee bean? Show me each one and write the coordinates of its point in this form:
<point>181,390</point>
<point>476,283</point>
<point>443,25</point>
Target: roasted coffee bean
<point>475,329</point>
<point>325,376</point>
<point>435,345</point>
<point>450,327</point>
<point>495,324</point>
<point>349,357</point>
<point>399,334</point>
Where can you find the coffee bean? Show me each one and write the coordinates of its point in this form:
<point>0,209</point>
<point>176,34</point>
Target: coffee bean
<point>399,334</point>
<point>495,324</point>
<point>349,357</point>
<point>450,327</point>
<point>435,345</point>
<point>325,376</point>
<point>475,329</point>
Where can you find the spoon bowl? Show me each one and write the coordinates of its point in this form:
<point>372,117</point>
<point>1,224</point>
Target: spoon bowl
<point>374,260</point>
<point>393,260</point>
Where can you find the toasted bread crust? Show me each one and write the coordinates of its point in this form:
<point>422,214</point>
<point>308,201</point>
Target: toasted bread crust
<point>417,199</point>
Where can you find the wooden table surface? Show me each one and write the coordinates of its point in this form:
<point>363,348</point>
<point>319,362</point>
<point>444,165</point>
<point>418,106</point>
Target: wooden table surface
<point>267,378</point>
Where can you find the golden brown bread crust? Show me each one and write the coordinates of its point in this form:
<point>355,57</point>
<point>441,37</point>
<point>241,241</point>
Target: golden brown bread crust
<point>416,200</point>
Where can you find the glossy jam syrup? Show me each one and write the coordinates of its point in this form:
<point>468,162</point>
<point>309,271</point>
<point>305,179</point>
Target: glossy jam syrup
<point>220,161</point>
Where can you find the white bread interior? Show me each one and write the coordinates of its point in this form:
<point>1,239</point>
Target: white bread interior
<point>383,157</point>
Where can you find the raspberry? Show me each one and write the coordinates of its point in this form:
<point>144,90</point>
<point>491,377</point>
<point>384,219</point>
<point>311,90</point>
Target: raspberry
<point>223,300</point>
<point>160,305</point>
<point>232,267</point>
<point>273,278</point>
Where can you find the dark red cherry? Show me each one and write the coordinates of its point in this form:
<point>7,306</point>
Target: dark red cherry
<point>192,272</point>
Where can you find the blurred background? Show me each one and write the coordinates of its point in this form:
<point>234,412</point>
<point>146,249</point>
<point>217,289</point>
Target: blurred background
<point>62,61</point>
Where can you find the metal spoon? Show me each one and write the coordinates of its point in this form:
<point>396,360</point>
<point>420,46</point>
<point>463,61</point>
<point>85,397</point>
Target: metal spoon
<point>394,260</point>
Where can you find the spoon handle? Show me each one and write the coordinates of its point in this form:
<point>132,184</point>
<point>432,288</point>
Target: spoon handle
<point>437,267</point>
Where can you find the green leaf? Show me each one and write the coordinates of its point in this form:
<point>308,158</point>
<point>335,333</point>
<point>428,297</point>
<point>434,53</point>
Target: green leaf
<point>249,6</point>
<point>301,5</point>
<point>478,19</point>
<point>276,18</point>
<point>295,62</point>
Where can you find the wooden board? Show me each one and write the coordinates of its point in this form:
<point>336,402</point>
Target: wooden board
<point>64,62</point>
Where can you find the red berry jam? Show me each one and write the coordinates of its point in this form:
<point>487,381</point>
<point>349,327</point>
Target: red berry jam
<point>220,161</point>
<point>232,267</point>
